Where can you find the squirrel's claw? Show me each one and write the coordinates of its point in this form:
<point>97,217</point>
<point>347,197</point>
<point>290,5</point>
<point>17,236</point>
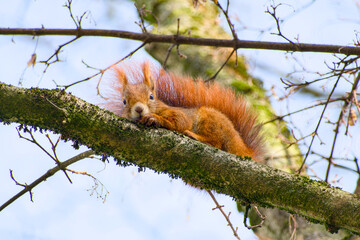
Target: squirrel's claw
<point>149,120</point>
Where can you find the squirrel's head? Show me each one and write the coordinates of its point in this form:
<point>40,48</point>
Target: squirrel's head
<point>140,98</point>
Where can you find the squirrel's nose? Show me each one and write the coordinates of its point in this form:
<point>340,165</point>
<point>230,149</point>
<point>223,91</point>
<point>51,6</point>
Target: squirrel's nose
<point>139,109</point>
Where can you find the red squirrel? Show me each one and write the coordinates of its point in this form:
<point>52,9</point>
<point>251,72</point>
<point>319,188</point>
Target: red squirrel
<point>202,111</point>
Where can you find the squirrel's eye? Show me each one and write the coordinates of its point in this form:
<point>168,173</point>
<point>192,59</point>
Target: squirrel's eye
<point>151,96</point>
<point>124,101</point>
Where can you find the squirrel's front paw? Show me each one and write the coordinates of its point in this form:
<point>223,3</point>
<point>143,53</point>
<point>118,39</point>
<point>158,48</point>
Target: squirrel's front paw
<point>149,120</point>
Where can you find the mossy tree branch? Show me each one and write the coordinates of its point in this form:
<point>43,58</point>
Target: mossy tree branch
<point>178,156</point>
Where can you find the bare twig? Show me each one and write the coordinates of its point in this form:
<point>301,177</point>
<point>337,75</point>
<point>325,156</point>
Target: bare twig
<point>49,173</point>
<point>172,46</point>
<point>168,55</point>
<point>56,159</point>
<point>53,147</point>
<point>258,213</point>
<point>25,186</point>
<point>292,230</point>
<point>222,66</point>
<point>231,26</point>
<point>101,71</point>
<point>320,119</point>
<point>290,84</point>
<point>227,216</point>
<point>321,103</point>
<point>33,140</point>
<point>97,183</point>
<point>341,114</point>
<point>177,45</point>
<point>226,14</point>
<point>77,21</point>
<point>272,13</point>
<point>56,55</point>
<point>141,12</point>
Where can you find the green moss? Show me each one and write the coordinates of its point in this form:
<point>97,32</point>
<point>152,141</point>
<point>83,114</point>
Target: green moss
<point>242,87</point>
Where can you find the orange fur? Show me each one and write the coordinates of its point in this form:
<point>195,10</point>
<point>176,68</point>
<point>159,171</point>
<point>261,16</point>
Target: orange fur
<point>207,112</point>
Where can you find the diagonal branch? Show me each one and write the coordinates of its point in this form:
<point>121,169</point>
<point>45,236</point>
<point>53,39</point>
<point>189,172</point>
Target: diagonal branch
<point>49,173</point>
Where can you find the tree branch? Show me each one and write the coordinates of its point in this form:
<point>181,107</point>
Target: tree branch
<point>49,173</point>
<point>178,39</point>
<point>179,156</point>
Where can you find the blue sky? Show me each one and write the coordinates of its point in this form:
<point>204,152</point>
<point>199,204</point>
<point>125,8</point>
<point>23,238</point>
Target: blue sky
<point>140,205</point>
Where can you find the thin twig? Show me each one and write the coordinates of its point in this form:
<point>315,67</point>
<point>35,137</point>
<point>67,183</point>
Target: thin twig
<point>56,55</point>
<point>177,45</point>
<point>78,21</point>
<point>218,71</point>
<point>320,119</point>
<point>168,55</point>
<point>218,206</point>
<point>45,176</point>
<point>97,182</point>
<point>33,140</point>
<point>141,12</point>
<point>226,14</point>
<point>293,232</point>
<point>258,213</point>
<point>25,186</point>
<point>53,147</point>
<point>277,20</point>
<point>231,26</point>
<point>101,71</point>
<point>341,114</point>
<point>304,109</point>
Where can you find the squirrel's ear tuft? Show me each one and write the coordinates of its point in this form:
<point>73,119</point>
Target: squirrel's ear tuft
<point>121,75</point>
<point>148,77</point>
